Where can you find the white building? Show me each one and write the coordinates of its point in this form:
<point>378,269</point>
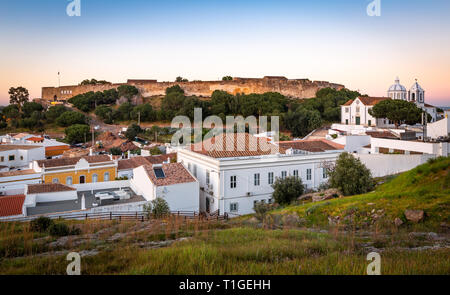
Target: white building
<point>48,192</point>
<point>53,148</point>
<point>171,182</point>
<point>233,178</point>
<point>20,156</point>
<point>14,182</point>
<point>356,112</point>
<point>439,128</point>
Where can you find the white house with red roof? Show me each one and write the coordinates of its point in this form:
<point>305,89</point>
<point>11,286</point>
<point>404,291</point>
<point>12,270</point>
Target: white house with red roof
<point>356,112</point>
<point>237,170</point>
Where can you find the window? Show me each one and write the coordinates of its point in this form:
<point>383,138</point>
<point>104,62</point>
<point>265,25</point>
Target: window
<point>270,201</point>
<point>296,173</point>
<point>257,179</point>
<point>283,174</point>
<point>207,177</point>
<point>69,180</point>
<point>106,176</point>
<point>270,180</point>
<point>94,178</point>
<point>346,121</point>
<point>370,122</point>
<point>233,181</point>
<point>234,207</point>
<point>55,180</point>
<point>346,110</point>
<point>325,173</point>
<point>189,167</point>
<point>21,158</point>
<point>2,159</point>
<point>12,157</point>
<point>357,109</point>
<point>308,174</point>
<point>195,170</point>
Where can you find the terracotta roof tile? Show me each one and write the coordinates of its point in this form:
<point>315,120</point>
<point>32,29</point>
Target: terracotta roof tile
<point>159,159</point>
<point>35,139</point>
<point>242,145</point>
<point>311,145</point>
<point>348,102</point>
<point>11,205</point>
<point>10,147</point>
<point>17,173</point>
<point>73,161</point>
<point>381,134</point>
<point>48,188</point>
<point>175,173</point>
<point>370,101</point>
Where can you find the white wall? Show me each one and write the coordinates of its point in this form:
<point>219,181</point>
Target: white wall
<point>28,156</point>
<point>55,197</point>
<point>440,149</point>
<point>353,143</point>
<point>15,185</point>
<point>102,185</point>
<point>439,128</point>
<point>382,165</point>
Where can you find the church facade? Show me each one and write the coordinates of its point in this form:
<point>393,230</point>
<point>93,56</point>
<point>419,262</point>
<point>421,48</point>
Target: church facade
<point>356,112</point>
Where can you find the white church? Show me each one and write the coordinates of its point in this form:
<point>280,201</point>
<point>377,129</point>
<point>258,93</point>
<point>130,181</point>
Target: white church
<point>356,112</point>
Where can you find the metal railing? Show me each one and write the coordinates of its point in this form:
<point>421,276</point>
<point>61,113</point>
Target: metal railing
<point>123,215</point>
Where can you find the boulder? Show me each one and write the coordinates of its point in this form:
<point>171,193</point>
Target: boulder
<point>291,220</point>
<point>398,222</point>
<point>414,215</point>
<point>321,196</point>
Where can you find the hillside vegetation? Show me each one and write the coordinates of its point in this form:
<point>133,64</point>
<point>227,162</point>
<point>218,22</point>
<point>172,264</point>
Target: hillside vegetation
<point>280,244</point>
<point>426,188</point>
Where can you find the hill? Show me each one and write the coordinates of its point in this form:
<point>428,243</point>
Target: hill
<point>425,188</point>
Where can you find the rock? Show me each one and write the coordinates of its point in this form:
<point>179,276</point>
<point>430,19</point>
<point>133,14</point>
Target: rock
<point>446,225</point>
<point>398,222</point>
<point>334,220</point>
<point>370,204</point>
<point>414,215</point>
<point>433,236</point>
<point>321,196</point>
<point>291,220</point>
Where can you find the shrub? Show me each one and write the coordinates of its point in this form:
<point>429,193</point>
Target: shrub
<point>160,208</point>
<point>351,176</point>
<point>59,230</point>
<point>287,190</point>
<point>41,224</point>
<point>261,210</point>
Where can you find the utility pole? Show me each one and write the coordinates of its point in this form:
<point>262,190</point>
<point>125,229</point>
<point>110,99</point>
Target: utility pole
<point>59,79</point>
<point>93,142</point>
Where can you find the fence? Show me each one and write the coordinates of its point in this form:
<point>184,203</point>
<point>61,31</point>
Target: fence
<point>124,215</point>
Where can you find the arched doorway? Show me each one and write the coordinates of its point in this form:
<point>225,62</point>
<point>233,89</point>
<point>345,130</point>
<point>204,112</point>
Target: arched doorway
<point>55,98</point>
<point>207,205</point>
<point>82,179</point>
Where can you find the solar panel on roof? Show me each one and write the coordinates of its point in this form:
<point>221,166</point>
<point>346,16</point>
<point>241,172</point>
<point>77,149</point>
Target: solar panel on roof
<point>159,172</point>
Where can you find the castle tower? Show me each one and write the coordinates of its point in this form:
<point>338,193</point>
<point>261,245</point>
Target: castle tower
<point>397,91</point>
<point>417,94</point>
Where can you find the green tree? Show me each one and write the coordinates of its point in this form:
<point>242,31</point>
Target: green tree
<point>398,111</point>
<point>175,88</point>
<point>105,113</point>
<point>71,118</point>
<point>132,132</point>
<point>160,208</point>
<point>55,112</point>
<point>227,78</point>
<point>287,189</point>
<point>127,91</point>
<point>350,176</point>
<point>181,79</point>
<point>76,133</point>
<point>18,95</point>
<point>30,107</point>
<point>302,121</point>
<point>146,112</point>
<point>124,111</point>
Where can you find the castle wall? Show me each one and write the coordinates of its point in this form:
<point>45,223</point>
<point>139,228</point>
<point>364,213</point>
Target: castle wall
<point>298,88</point>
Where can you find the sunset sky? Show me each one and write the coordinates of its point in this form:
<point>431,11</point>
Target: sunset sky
<point>331,40</point>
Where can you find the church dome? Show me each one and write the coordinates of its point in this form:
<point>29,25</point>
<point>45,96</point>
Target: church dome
<point>397,86</point>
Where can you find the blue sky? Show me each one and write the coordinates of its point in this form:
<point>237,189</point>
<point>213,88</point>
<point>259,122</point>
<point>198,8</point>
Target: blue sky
<point>320,40</point>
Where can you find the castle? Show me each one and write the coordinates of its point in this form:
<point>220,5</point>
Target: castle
<point>293,88</point>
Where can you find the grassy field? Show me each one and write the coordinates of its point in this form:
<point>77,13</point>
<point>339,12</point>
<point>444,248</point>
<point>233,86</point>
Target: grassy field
<point>242,246</point>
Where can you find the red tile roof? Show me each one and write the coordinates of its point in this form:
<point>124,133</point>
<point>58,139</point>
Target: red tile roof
<point>11,205</point>
<point>73,161</point>
<point>17,173</point>
<point>175,173</point>
<point>370,101</point>
<point>48,188</point>
<point>139,161</point>
<point>348,102</point>
<point>241,145</point>
<point>10,147</point>
<point>381,134</point>
<point>35,139</point>
<point>311,145</point>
